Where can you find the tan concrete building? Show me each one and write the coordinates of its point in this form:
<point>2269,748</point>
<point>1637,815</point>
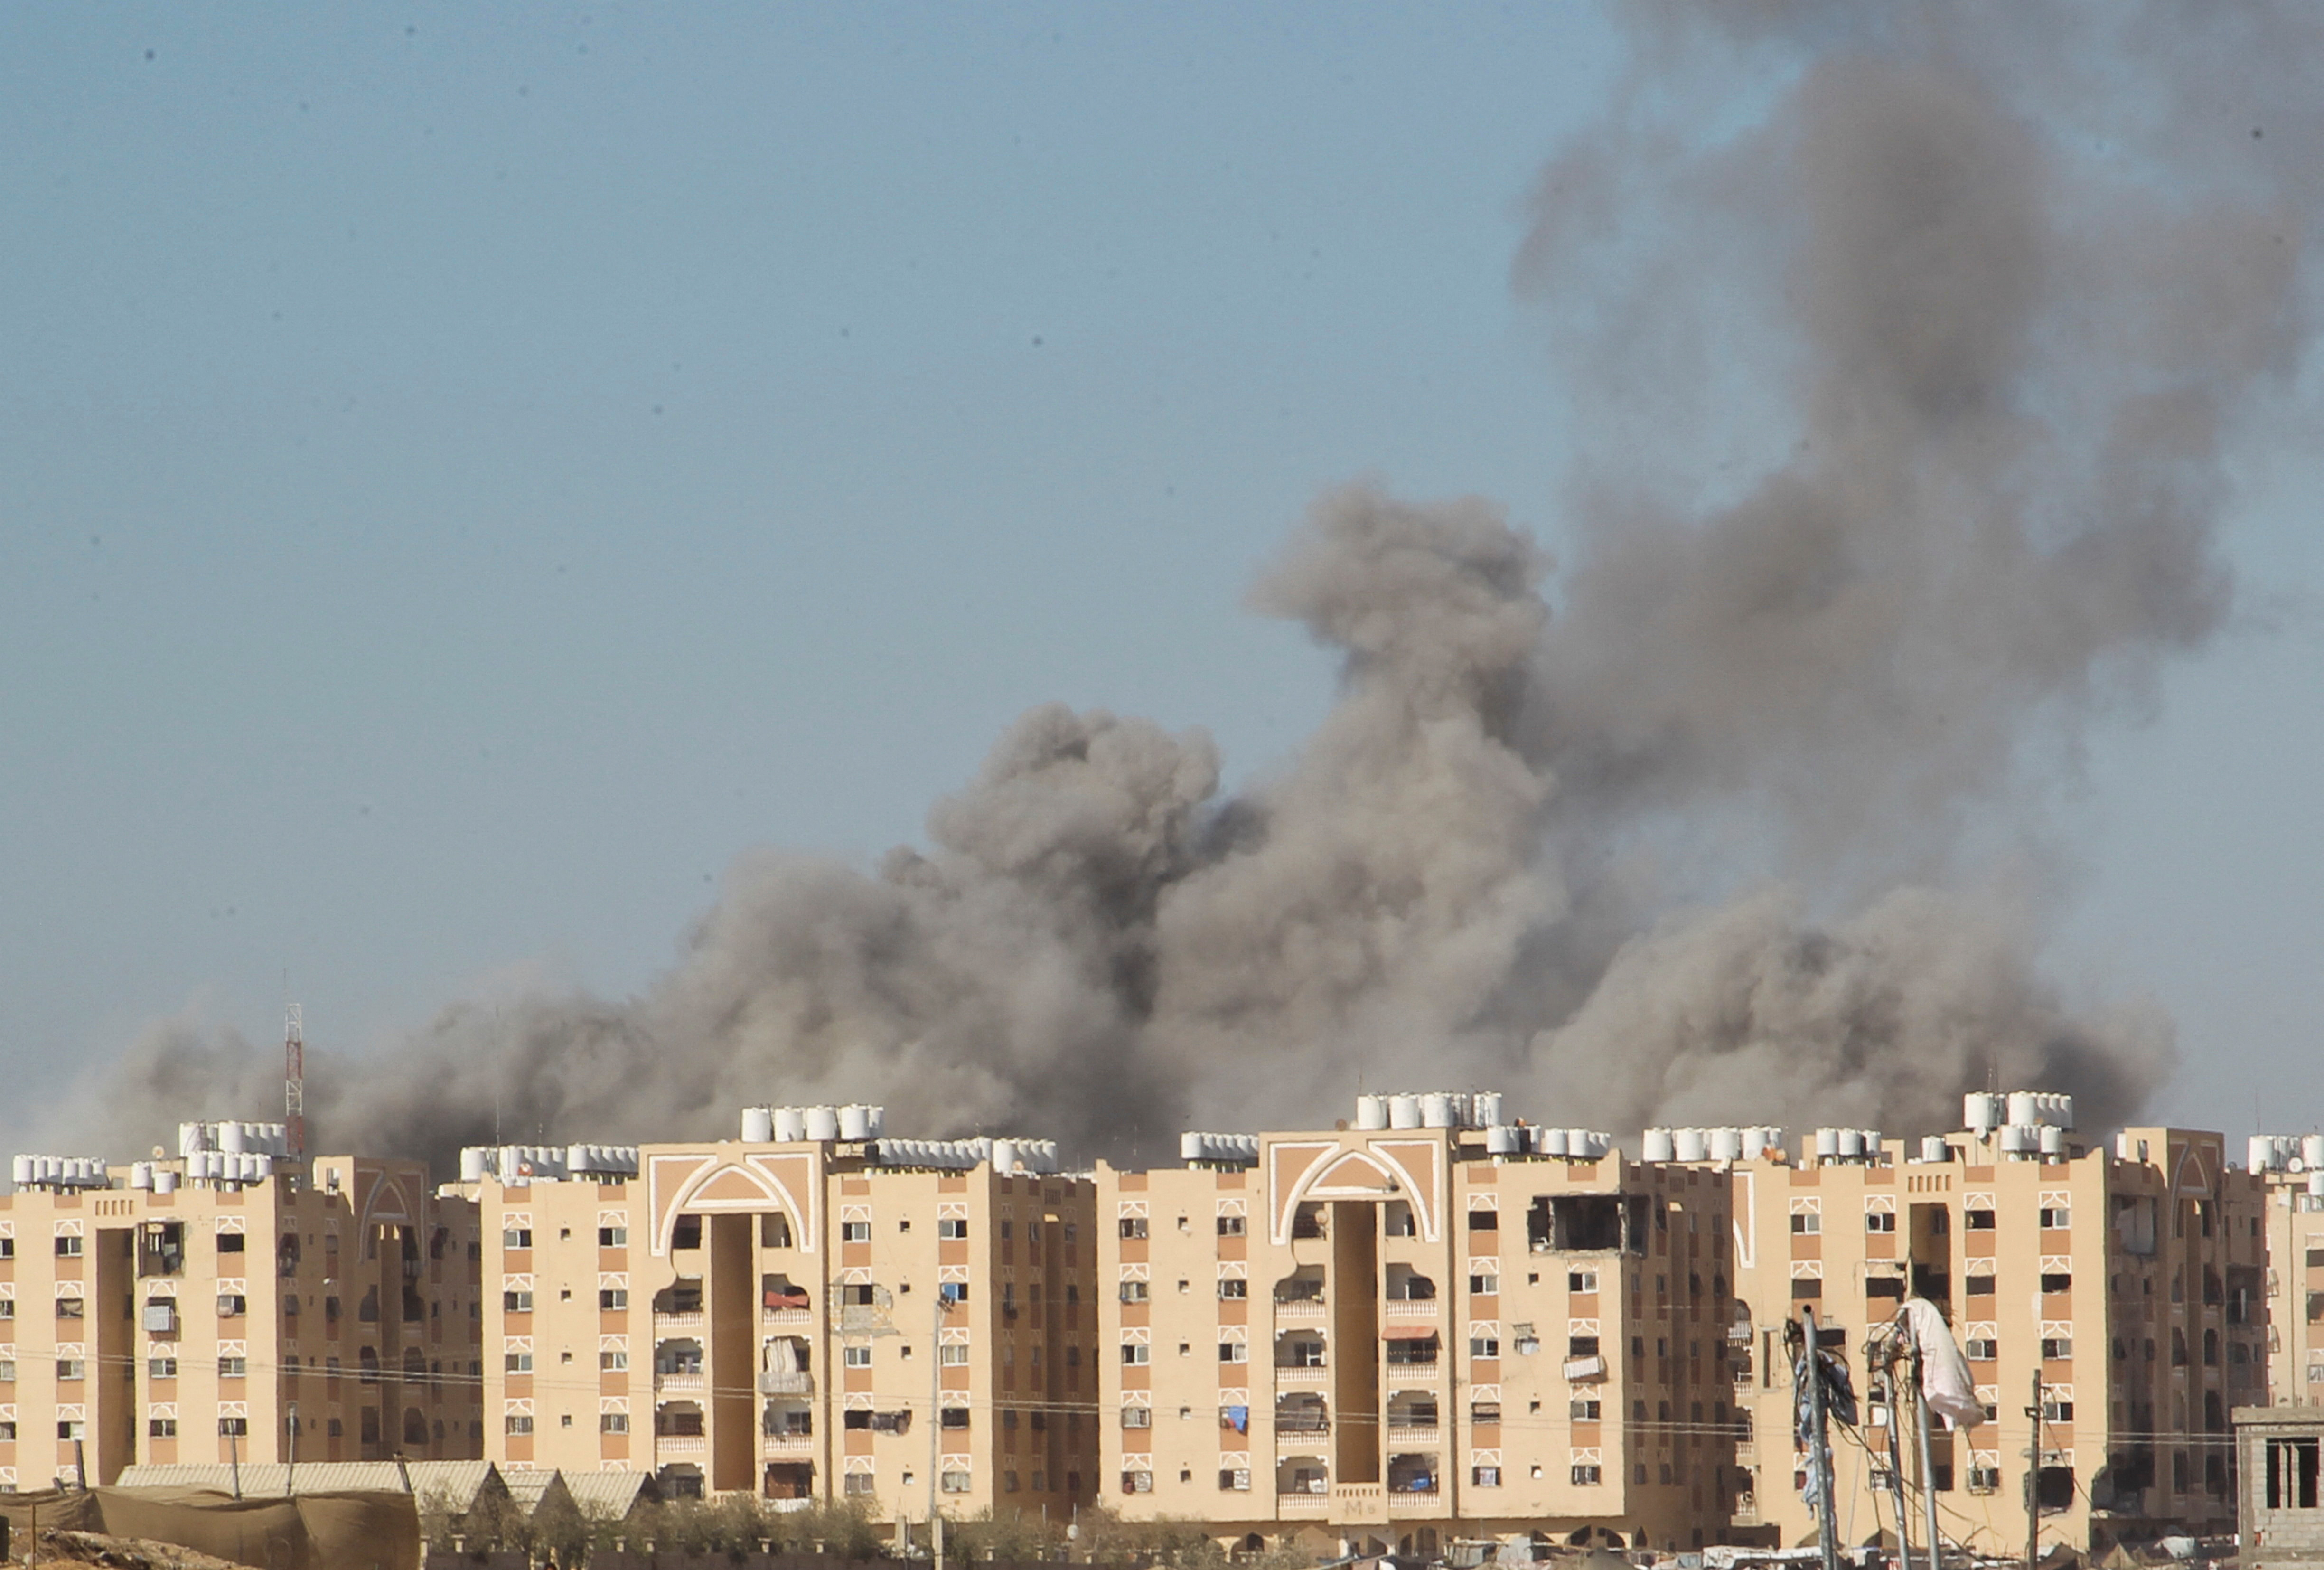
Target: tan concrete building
<point>2293,1168</point>
<point>817,1316</point>
<point>1422,1328</point>
<point>147,1316</point>
<point>2128,1279</point>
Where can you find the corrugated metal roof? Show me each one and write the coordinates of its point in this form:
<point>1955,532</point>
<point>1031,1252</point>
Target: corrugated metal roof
<point>461,1481</point>
<point>608,1493</point>
<point>531,1487</point>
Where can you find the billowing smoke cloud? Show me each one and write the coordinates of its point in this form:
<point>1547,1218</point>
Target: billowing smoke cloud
<point>1905,399</point>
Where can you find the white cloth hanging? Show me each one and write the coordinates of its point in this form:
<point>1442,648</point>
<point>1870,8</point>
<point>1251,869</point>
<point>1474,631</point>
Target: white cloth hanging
<point>1945,1382</point>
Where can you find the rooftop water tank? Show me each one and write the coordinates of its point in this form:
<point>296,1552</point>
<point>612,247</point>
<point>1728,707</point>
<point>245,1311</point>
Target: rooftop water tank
<point>1501,1140</point>
<point>790,1124</point>
<point>473,1164</point>
<point>1827,1144</point>
<point>2311,1149</point>
<point>2053,1139</point>
<point>1691,1144</point>
<point>854,1122</point>
<point>165,1181</point>
<point>1657,1145</point>
<point>1403,1111</point>
<point>1371,1112</point>
<point>1485,1106</point>
<point>758,1125</point>
<point>823,1123</point>
<point>1550,1141</point>
<point>1727,1144</point>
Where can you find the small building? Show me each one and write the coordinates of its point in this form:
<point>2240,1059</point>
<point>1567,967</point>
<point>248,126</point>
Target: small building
<point>2280,1500</point>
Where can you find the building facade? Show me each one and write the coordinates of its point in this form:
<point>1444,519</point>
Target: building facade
<point>150,1318</point>
<point>1394,1336</point>
<point>905,1324</point>
<point>2119,1290</point>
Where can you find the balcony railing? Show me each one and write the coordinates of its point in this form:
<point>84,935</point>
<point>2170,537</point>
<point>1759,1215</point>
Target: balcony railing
<point>790,1443</point>
<point>789,1382</point>
<point>1299,1308</point>
<point>693,1380</point>
<point>680,1444</point>
<point>1411,1434</point>
<point>1303,1504</point>
<point>786,1316</point>
<point>680,1319</point>
<point>1410,1308</point>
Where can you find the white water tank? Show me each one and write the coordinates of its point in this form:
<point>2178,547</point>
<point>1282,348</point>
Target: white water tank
<point>1004,1158</point>
<point>854,1122</point>
<point>1550,1141</point>
<point>1500,1139</point>
<point>1827,1144</point>
<point>1485,1107</point>
<point>165,1181</point>
<point>1403,1111</point>
<point>1852,1143</point>
<point>1934,1148</point>
<point>1982,1112</point>
<point>823,1123</point>
<point>475,1161</point>
<point>1690,1144</point>
<point>2264,1153</point>
<point>2311,1149</point>
<point>2315,1186</point>
<point>1727,1144</point>
<point>790,1124</point>
<point>20,1170</point>
<point>1657,1145</point>
<point>1371,1112</point>
<point>758,1125</point>
<point>2053,1139</point>
<point>2019,1139</point>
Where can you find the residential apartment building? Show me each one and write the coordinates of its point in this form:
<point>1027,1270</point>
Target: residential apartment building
<point>812,1311</point>
<point>2291,1167</point>
<point>1431,1326</point>
<point>178,1310</point>
<point>2128,1281</point>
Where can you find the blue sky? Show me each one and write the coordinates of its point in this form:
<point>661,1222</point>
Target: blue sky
<point>466,474</point>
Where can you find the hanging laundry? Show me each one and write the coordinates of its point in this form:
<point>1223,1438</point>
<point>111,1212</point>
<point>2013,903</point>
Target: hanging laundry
<point>1945,1382</point>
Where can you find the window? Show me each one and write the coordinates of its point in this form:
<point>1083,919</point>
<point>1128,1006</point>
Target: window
<point>951,1291</point>
<point>1234,1352</point>
<point>1978,1286</point>
<point>1981,1349</point>
<point>72,1428</point>
<point>1585,1474</point>
<point>1880,1221</point>
<point>1485,1476</point>
<point>1137,1417</point>
<point>1138,1481</point>
<point>1585,1410</point>
<point>2056,1216</point>
<point>2057,1411</point>
<point>519,1425</point>
<point>1133,1291</point>
<point>70,1309</point>
<point>68,1248</point>
<point>1484,1346</point>
<point>953,1417</point>
<point>855,1356</point>
<point>1984,1479</point>
<point>8,1431</point>
<point>239,1427</point>
<point>856,1293</point>
<point>234,1368</point>
<point>1234,1478</point>
<point>1133,1227</point>
<point>611,1299</point>
<point>1806,1223</point>
<point>71,1368</point>
<point>687,1233</point>
<point>1581,1347</point>
<point>858,1484</point>
<point>1977,1221</point>
<point>1582,1280</point>
<point>612,1422</point>
<point>2057,1281</point>
<point>1231,1287</point>
<point>161,1368</point>
<point>1484,1286</point>
<point>854,1232</point>
<point>614,1237</point>
<point>1136,1353</point>
<point>233,1304</point>
<point>520,1362</point>
<point>1807,1288</point>
<point>954,1481</point>
<point>952,1228</point>
<point>516,1302</point>
<point>952,1354</point>
<point>7,1308</point>
<point>2057,1346</point>
<point>613,1362</point>
<point>1233,1226</point>
<point>2292,1466</point>
<point>517,1237</point>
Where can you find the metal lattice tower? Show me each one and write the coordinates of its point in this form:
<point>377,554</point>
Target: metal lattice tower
<point>294,1081</point>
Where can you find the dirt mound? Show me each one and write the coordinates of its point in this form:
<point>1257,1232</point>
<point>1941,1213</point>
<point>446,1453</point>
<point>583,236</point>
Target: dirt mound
<point>125,1553</point>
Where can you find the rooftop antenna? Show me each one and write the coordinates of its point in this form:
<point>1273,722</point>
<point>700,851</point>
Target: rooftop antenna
<point>294,1079</point>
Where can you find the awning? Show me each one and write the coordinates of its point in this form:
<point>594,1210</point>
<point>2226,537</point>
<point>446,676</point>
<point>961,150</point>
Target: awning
<point>1409,1332</point>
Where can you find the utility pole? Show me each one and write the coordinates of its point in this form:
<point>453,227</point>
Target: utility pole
<point>290,1472</point>
<point>2034,1479</point>
<point>1897,1460</point>
<point>1820,1445</point>
<point>935,1421</point>
<point>1928,1464</point>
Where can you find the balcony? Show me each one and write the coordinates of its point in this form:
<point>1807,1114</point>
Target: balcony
<point>680,1444</point>
<point>1303,1504</point>
<point>795,1381</point>
<point>786,1316</point>
<point>1414,1501</point>
<point>789,1444</point>
<point>1403,1434</point>
<point>1409,1309</point>
<point>1299,1310</point>
<point>679,1379</point>
<point>1301,1376</point>
<point>680,1319</point>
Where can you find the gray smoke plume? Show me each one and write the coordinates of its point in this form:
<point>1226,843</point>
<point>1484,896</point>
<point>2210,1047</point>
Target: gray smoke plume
<point>1906,397</point>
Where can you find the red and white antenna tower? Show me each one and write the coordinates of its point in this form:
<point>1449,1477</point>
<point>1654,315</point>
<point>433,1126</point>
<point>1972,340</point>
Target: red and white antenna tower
<point>294,1081</point>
